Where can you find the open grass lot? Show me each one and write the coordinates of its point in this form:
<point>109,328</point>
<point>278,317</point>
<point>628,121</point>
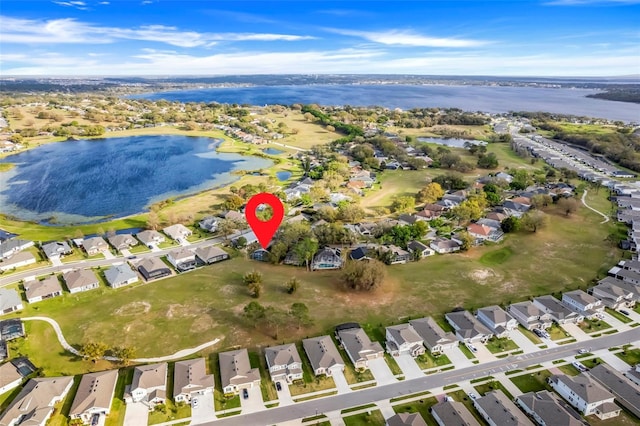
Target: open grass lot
<point>532,382</point>
<point>374,417</point>
<point>309,133</point>
<point>421,406</point>
<point>480,132</point>
<point>189,309</point>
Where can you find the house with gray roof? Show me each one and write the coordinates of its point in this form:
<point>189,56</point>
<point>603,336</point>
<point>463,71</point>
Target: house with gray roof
<point>177,232</point>
<point>236,372</point>
<point>558,312</point>
<point>122,241</point>
<point>467,328</point>
<point>209,224</point>
<point>416,248</point>
<point>34,404</point>
<point>11,329</point>
<point>434,338</point>
<point>548,410</point>
<point>149,385</point>
<point>327,258</point>
<point>150,238</point>
<point>586,395</point>
<point>284,363</point>
<point>323,355</point>
<point>47,288</point>
<point>182,259</point>
<point>94,395</point>
<point>56,249</point>
<point>614,294</point>
<point>190,378</point>
<point>497,320</point>
<point>403,339</point>
<point>497,409</point>
<point>152,268</point>
<point>80,280</point>
<point>10,377</point>
<point>120,275</point>
<point>94,245</point>
<point>10,301</point>
<point>406,419</point>
<point>444,245</point>
<point>450,413</point>
<point>583,303</point>
<point>17,260</point>
<point>529,315</point>
<point>358,346</point>
<point>211,254</point>
<point>625,391</point>
<point>12,246</point>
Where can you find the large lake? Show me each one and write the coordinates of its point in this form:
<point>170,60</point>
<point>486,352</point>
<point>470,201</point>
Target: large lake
<point>93,180</point>
<point>493,99</point>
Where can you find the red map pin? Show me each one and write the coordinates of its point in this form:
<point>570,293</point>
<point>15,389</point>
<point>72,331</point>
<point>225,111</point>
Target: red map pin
<point>264,230</point>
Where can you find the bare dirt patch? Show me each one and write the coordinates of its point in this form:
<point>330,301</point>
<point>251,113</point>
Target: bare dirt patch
<point>176,310</point>
<point>134,308</point>
<point>483,276</point>
<point>202,323</point>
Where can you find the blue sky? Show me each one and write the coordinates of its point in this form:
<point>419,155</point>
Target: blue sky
<point>155,37</point>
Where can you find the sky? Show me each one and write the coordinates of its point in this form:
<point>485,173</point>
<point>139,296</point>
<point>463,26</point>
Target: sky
<point>436,37</point>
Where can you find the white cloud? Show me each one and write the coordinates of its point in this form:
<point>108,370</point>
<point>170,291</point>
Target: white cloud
<point>409,38</point>
<point>13,30</point>
<point>76,4</point>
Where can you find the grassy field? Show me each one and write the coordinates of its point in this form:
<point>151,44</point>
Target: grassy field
<point>309,133</point>
<point>481,132</point>
<point>374,417</point>
<point>500,345</point>
<point>590,326</point>
<point>630,356</point>
<point>532,382</point>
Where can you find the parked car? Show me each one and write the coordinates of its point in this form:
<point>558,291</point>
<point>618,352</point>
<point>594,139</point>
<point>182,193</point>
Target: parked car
<point>194,402</point>
<point>473,395</point>
<point>245,394</point>
<point>278,386</point>
<point>582,351</point>
<point>472,348</point>
<point>623,312</point>
<point>449,399</point>
<point>538,332</point>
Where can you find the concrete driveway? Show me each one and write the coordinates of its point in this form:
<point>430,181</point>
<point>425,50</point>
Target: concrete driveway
<point>205,411</point>
<point>381,371</point>
<point>615,322</point>
<point>341,382</point>
<point>458,358</point>
<point>254,402</point>
<point>522,341</point>
<point>408,366</point>
<point>284,395</point>
<point>107,254</point>
<point>136,414</point>
<point>576,332</point>
<point>483,354</point>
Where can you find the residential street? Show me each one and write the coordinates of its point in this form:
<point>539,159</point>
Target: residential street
<point>383,392</point>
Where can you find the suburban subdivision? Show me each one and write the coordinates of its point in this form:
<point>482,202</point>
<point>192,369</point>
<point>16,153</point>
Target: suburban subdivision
<point>434,266</point>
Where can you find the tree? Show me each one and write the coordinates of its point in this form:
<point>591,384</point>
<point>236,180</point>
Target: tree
<point>364,275</point>
<point>469,209</point>
<point>226,227</point>
<point>451,180</point>
<point>253,280</point>
<point>403,204</point>
<point>430,193</point>
<point>292,285</point>
<point>124,353</point>
<point>276,318</point>
<point>94,350</point>
<point>534,220</point>
<point>233,202</point>
<point>254,312</point>
<point>300,312</point>
<point>467,240</point>
<point>350,212</point>
<point>152,220</point>
<point>510,224</point>
<point>568,205</point>
<point>306,249</point>
<point>489,161</point>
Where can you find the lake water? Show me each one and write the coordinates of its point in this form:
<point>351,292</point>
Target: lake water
<point>493,99</point>
<point>453,142</point>
<point>272,151</point>
<point>283,175</point>
<point>93,180</point>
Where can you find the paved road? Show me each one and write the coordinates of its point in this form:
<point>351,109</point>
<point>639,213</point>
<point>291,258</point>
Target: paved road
<point>322,405</point>
<point>606,218</point>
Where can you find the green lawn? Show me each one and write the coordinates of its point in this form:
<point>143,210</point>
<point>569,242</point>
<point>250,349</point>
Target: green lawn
<point>532,382</point>
<point>465,350</point>
<point>590,326</point>
<point>118,407</point>
<point>421,406</point>
<point>393,365</point>
<point>500,345</point>
<point>496,257</point>
<point>569,370</point>
<point>625,319</point>
<point>530,335</point>
<point>375,418</point>
<point>556,332</point>
<point>461,396</point>
<point>169,412</point>
<point>490,386</point>
<point>427,360</point>
<point>630,356</point>
<point>268,388</point>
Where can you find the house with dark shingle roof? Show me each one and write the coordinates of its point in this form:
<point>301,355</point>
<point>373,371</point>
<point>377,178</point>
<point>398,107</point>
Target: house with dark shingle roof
<point>625,391</point>
<point>152,268</point>
<point>433,336</point>
<point>467,328</point>
<point>586,395</point>
<point>403,339</point>
<point>548,410</point>
<point>284,363</point>
<point>450,413</point>
<point>323,355</point>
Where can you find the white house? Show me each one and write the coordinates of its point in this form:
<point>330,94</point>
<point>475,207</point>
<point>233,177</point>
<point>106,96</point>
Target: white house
<point>498,321</point>
<point>284,363</point>
<point>149,385</point>
<point>177,232</point>
<point>586,395</point>
<point>182,259</point>
<point>10,301</point>
<point>583,303</point>
<point>403,339</point>
<point>191,378</point>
